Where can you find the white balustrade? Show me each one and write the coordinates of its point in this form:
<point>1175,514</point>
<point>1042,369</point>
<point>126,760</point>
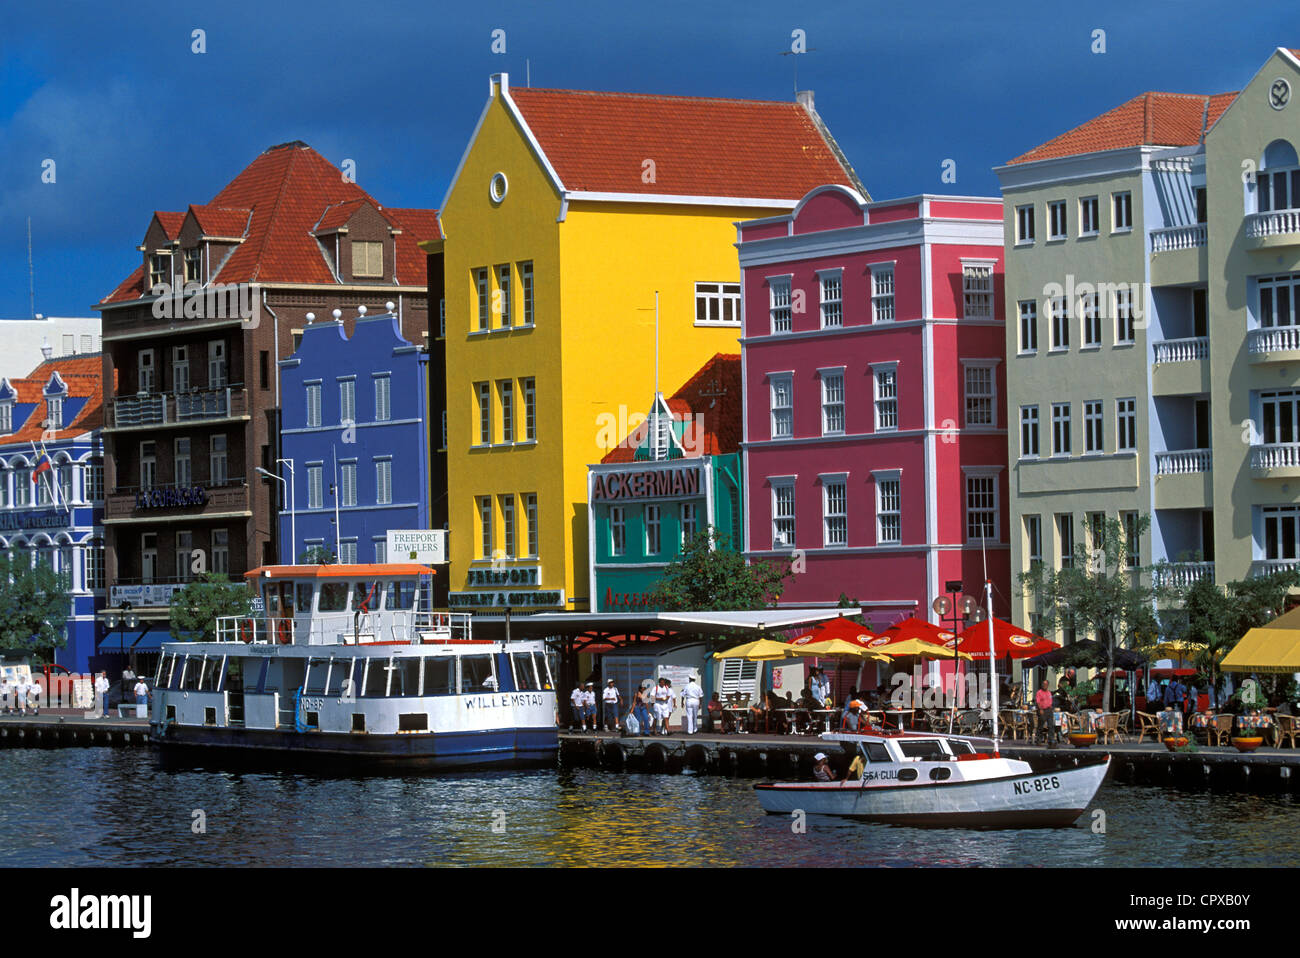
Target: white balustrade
<point>1273,339</point>
<point>1183,575</point>
<point>1275,223</point>
<point>1266,566</point>
<point>1181,350</point>
<point>1179,237</point>
<point>1182,462</point>
<point>1277,455</point>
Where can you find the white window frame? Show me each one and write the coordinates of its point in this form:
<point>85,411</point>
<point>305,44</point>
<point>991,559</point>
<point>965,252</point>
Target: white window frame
<point>503,291</point>
<point>508,539</point>
<point>654,527</point>
<point>988,478</point>
<point>483,393</point>
<point>835,509</point>
<point>313,391</point>
<point>506,397</point>
<point>315,485</point>
<point>528,387</point>
<point>1126,424</point>
<point>1027,312</point>
<point>977,288</point>
<point>1094,432</point>
<point>530,513</point>
<point>483,287</point>
<point>1029,432</point>
<point>1055,208</point>
<point>1058,312</point>
<point>383,397</point>
<point>830,288</point>
<point>483,506</point>
<point>1125,329</point>
<point>347,483</point>
<point>1089,215</point>
<point>1025,225</point>
<point>1033,525</point>
<point>383,480</point>
<point>831,382</point>
<point>781,412</point>
<point>187,458</point>
<point>991,367</point>
<point>347,399</point>
<point>1062,416</point>
<point>218,368</point>
<point>781,304</point>
<point>720,299</point>
<point>617,530</point>
<point>883,287</point>
<point>1121,211</point>
<point>783,489</point>
<point>528,292</point>
<point>690,521</point>
<point>884,405</point>
<point>1089,321</point>
<point>889,506</point>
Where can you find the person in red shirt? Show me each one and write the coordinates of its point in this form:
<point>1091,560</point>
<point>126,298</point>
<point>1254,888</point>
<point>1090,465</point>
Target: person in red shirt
<point>1047,715</point>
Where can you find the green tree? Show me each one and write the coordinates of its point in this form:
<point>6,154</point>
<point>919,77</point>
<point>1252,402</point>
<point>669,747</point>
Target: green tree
<point>710,576</point>
<point>1098,593</point>
<point>317,555</point>
<point>34,607</point>
<point>196,608</point>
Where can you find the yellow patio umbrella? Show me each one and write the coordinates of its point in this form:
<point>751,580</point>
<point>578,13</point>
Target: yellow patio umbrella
<point>920,647</point>
<point>830,648</point>
<point>760,650</point>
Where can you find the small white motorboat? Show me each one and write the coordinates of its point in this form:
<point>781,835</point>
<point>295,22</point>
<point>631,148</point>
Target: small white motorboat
<point>940,781</point>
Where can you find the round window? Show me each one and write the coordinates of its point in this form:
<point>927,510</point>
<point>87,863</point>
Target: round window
<point>497,188</point>
<point>1279,94</point>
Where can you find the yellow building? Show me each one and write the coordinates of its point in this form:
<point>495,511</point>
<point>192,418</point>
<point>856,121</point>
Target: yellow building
<point>569,210</point>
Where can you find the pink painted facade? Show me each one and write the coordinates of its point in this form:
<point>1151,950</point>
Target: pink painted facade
<point>877,423</point>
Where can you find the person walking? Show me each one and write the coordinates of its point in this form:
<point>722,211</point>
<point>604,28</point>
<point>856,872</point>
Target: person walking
<point>101,690</point>
<point>1046,715</point>
<point>692,696</point>
<point>33,698</point>
<point>589,706</point>
<point>611,698</point>
<point>578,701</point>
<point>664,702</point>
<point>142,692</point>
<point>1153,695</point>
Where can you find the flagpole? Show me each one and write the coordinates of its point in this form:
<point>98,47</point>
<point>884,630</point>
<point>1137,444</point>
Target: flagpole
<point>52,488</point>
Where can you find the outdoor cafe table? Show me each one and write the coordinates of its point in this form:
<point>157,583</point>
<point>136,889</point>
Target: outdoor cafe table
<point>1249,723</point>
<point>738,716</point>
<point>792,717</point>
<point>824,716</point>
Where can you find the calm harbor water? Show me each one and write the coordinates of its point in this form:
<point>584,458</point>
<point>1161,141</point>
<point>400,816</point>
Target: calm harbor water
<point>117,807</point>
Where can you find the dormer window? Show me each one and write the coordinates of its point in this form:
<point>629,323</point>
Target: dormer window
<point>194,265</point>
<point>6,416</point>
<point>367,259</point>
<point>54,412</point>
<point>160,269</point>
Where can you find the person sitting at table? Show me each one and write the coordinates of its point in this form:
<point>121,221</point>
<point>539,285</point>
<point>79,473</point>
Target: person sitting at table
<point>853,694</point>
<point>853,720</point>
<point>713,714</point>
<point>808,700</point>
<point>761,712</point>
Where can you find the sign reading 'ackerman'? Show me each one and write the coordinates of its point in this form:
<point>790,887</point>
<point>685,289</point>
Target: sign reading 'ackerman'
<point>649,484</point>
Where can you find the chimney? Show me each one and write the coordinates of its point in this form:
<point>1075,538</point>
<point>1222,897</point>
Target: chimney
<point>47,351</point>
<point>805,99</point>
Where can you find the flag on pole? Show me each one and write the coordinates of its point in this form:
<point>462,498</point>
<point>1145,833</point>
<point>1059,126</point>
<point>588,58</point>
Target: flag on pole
<point>43,465</point>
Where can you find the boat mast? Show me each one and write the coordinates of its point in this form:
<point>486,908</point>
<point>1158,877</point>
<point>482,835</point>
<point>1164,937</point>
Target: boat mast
<point>993,673</point>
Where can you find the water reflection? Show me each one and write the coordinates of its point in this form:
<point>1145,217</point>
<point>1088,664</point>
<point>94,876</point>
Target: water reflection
<point>117,807</point>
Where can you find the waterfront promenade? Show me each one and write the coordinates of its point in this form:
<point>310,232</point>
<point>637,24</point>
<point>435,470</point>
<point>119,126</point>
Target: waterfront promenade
<point>56,728</point>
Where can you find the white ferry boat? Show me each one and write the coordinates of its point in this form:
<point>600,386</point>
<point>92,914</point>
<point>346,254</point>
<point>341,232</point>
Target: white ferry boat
<point>941,781</point>
<point>342,667</point>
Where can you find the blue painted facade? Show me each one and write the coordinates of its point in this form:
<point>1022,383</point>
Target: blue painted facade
<point>57,519</point>
<point>354,426</point>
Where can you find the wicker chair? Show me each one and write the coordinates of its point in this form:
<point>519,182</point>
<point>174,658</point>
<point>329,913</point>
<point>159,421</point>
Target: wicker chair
<point>968,723</point>
<point>1109,728</point>
<point>1016,724</point>
<point>1148,723</point>
<point>1221,731</point>
<point>1287,730</point>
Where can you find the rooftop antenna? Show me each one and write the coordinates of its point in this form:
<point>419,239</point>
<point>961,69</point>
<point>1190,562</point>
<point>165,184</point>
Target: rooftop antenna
<point>792,53</point>
<point>31,272</point>
<point>654,412</point>
<point>528,73</point>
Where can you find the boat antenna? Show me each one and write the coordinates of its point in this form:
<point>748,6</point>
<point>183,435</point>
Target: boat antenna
<point>993,673</point>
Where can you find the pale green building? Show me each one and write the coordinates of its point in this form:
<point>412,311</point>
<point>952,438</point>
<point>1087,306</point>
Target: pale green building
<point>1153,332</point>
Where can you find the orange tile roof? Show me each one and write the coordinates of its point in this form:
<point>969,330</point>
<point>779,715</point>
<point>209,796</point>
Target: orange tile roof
<point>81,374</point>
<point>599,142</point>
<point>288,188</point>
<point>417,226</point>
<point>337,216</point>
<point>713,394</point>
<point>219,221</point>
<point>170,222</point>
<point>1154,119</point>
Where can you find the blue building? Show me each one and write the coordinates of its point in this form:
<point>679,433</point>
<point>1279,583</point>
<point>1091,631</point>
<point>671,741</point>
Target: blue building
<point>354,439</point>
<point>57,519</point>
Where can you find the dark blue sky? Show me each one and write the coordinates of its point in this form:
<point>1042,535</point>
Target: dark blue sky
<point>136,122</point>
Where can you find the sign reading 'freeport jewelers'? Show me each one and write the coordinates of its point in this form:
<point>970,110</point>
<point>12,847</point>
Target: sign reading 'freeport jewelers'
<point>540,598</point>
<point>676,482</point>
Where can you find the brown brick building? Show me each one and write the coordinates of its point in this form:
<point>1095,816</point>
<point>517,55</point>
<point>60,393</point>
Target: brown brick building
<point>194,336</point>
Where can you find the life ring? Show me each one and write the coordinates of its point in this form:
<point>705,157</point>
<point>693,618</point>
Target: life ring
<point>283,631</point>
<point>246,630</point>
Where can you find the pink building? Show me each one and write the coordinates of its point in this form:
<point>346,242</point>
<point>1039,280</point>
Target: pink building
<point>874,369</point>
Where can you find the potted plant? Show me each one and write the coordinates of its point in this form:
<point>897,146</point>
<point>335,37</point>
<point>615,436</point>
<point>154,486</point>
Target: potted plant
<point>1247,743</point>
<point>1085,736</point>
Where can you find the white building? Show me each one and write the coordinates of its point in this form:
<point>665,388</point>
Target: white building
<point>21,339</point>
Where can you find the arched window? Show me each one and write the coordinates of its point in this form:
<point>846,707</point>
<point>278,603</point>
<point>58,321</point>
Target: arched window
<point>93,564</point>
<point>1278,182</point>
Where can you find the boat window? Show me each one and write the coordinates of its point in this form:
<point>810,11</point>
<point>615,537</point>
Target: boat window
<point>162,669</point>
<point>876,752</point>
<point>304,596</point>
<point>211,672</point>
<point>924,749</point>
<point>958,747</point>
<point>361,594</point>
<point>476,674</point>
<point>377,676</point>
<point>552,668</point>
<point>333,597</point>
<point>439,675</point>
<point>406,677</point>
<point>334,675</point>
<point>174,673</point>
<point>525,678</point>
<point>316,670</point>
<point>400,595</point>
<point>190,674</point>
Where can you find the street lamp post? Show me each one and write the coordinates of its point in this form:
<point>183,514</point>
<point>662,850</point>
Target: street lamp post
<point>963,608</point>
<point>293,535</point>
<point>293,513</point>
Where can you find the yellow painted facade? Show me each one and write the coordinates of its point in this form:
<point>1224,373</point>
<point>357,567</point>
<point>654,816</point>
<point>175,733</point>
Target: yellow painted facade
<point>590,351</point>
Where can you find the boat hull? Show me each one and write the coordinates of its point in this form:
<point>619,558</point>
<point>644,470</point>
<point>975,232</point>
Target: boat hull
<point>430,751</point>
<point>1032,800</point>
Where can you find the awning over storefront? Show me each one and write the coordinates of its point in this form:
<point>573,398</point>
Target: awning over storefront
<point>124,642</point>
<point>659,624</point>
<point>1270,648</point>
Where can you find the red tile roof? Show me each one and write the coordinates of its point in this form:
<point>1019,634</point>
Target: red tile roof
<point>170,222</point>
<point>219,221</point>
<point>600,142</point>
<point>1154,119</point>
<point>417,226</point>
<point>288,188</point>
<point>337,216</point>
<point>713,394</point>
<point>81,374</point>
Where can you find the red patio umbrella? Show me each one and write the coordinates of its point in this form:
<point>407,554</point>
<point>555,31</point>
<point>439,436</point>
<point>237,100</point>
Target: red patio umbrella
<point>841,628</point>
<point>914,628</point>
<point>1008,640</point>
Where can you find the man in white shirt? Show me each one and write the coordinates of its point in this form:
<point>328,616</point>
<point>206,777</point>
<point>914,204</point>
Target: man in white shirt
<point>612,699</point>
<point>589,706</point>
<point>101,693</point>
<point>692,695</point>
<point>6,695</point>
<point>664,703</point>
<point>32,696</point>
<point>578,700</point>
<point>142,692</point>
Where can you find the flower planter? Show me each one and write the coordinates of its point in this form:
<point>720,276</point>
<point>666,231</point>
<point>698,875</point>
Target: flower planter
<point>1173,743</point>
<point>1247,743</point>
<point>1082,739</point>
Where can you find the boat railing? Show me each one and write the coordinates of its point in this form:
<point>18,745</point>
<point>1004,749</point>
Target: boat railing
<point>256,629</point>
<point>402,626</point>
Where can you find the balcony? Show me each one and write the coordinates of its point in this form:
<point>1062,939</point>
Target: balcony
<point>1269,566</point>
<point>1273,344</point>
<point>1277,460</point>
<point>1272,230</point>
<point>230,499</point>
<point>1182,575</point>
<point>1181,350</point>
<point>1183,462</point>
<point>1179,237</point>
<point>151,410</point>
